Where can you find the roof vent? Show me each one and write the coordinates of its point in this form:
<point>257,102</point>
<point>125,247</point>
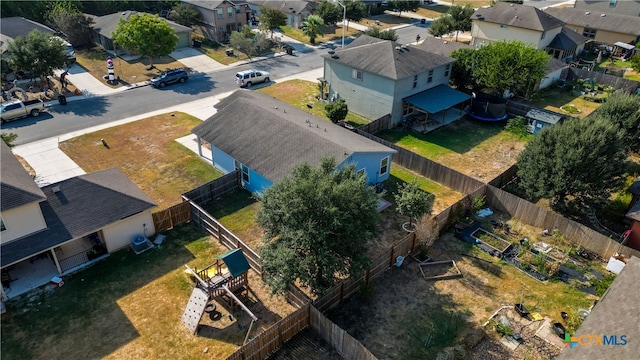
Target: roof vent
<point>55,189</point>
<point>511,5</point>
<point>587,13</point>
<point>603,15</point>
<point>446,42</point>
<point>124,13</point>
<point>331,52</point>
<point>398,48</point>
<point>403,46</point>
<point>516,16</point>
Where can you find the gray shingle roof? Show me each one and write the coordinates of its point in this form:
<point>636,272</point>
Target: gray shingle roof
<point>17,187</point>
<point>391,60</point>
<point>287,7</point>
<point>634,212</point>
<point>624,24</point>
<point>522,16</point>
<point>19,26</point>
<point>442,47</point>
<point>208,4</point>
<point>567,38</point>
<point>615,314</point>
<point>84,204</point>
<point>272,137</point>
<point>107,24</point>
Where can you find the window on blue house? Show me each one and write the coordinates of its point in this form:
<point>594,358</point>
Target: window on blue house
<point>245,173</point>
<point>384,166</point>
<point>446,69</point>
<point>3,227</point>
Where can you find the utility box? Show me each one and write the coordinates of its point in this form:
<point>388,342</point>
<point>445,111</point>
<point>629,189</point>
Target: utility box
<point>57,281</point>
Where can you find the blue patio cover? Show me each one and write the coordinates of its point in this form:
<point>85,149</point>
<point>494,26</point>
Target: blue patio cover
<point>437,99</point>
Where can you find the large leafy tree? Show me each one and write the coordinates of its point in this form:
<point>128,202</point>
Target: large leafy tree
<point>149,35</point>
<point>37,52</point>
<point>313,27</point>
<point>412,202</point>
<point>316,223</point>
<point>356,11</point>
<point>388,34</point>
<point>441,26</point>
<point>72,23</point>
<point>272,19</point>
<point>185,14</point>
<point>404,5</point>
<point>575,164</point>
<point>624,110</point>
<point>329,12</point>
<point>461,16</point>
<point>463,68</point>
<point>247,41</point>
<point>513,66</point>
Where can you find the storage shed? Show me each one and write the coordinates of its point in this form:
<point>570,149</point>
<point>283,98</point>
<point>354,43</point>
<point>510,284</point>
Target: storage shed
<point>537,119</point>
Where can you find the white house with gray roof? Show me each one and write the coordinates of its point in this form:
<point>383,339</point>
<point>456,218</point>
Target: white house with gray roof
<point>266,138</point>
<point>381,77</point>
<point>61,227</point>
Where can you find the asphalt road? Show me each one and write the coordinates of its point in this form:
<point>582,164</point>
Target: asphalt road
<point>78,115</point>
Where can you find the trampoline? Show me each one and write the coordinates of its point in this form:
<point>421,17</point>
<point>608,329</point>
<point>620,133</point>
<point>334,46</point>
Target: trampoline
<point>485,107</point>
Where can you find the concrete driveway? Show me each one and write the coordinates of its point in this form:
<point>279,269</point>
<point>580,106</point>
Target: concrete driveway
<point>196,60</point>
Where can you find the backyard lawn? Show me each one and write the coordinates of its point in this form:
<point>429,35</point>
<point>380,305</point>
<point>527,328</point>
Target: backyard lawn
<point>146,151</point>
<point>477,149</point>
<point>403,316</point>
<point>94,61</point>
<point>301,93</point>
<point>129,307</point>
<point>556,99</point>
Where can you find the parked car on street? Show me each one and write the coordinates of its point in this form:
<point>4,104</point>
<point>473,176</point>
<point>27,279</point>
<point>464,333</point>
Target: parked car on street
<point>15,109</point>
<point>249,77</point>
<point>170,76</point>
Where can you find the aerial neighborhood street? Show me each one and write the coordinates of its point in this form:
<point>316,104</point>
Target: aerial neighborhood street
<point>331,179</point>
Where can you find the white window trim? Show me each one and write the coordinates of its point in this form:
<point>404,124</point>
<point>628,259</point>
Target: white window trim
<point>356,74</point>
<point>387,166</point>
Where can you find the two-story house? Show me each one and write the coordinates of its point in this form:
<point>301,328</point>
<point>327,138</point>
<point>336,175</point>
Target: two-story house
<point>378,77</point>
<point>601,27</point>
<point>296,11</point>
<point>620,7</point>
<point>220,17</point>
<point>511,22</point>
<point>265,139</point>
<point>51,231</point>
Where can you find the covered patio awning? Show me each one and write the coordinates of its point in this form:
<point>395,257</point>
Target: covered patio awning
<point>437,99</point>
<point>624,45</point>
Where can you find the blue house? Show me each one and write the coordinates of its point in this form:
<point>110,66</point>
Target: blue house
<point>266,138</point>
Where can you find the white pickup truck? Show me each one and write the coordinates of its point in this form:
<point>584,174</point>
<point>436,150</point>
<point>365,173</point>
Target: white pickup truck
<point>15,109</point>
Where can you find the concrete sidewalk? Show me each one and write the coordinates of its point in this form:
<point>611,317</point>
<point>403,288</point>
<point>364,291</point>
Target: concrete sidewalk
<point>52,165</point>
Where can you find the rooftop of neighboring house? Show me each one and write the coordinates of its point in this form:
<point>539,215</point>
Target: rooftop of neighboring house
<point>625,24</point>
<point>78,206</point>
<point>17,187</point>
<point>442,47</point>
<point>522,16</point>
<point>392,60</point>
<point>615,314</point>
<point>287,7</point>
<point>12,27</point>
<point>107,24</point>
<point>567,39</point>
<point>272,137</point>
<point>622,7</point>
<point>211,4</point>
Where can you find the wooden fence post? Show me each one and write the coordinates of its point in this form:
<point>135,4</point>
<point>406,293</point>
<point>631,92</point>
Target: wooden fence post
<point>341,291</point>
<point>391,258</point>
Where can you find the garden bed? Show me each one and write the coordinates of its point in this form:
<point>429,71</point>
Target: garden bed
<point>491,240</point>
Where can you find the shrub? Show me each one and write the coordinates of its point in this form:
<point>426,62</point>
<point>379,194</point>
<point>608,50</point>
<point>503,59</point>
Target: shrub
<point>517,126</point>
<point>477,202</point>
<point>503,329</point>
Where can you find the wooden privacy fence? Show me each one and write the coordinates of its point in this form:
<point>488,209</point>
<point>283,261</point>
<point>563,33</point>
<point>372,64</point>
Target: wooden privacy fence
<point>172,216</point>
<point>274,337</point>
<point>340,340</point>
<point>534,215</point>
<point>429,168</point>
<point>213,189</point>
<point>211,225</point>
<point>378,125</point>
<point>351,286</point>
<point>573,74</point>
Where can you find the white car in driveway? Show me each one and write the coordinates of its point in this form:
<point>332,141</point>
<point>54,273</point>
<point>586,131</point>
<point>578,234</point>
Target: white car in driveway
<point>249,77</point>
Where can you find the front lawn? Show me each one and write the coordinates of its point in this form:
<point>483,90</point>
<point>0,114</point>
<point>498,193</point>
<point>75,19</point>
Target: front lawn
<point>333,32</point>
<point>130,72</point>
<point>301,93</point>
<point>386,21</point>
<point>146,151</point>
<point>478,149</point>
<point>218,53</point>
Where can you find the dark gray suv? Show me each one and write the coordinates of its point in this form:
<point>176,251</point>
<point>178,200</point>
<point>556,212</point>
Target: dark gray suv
<point>170,76</point>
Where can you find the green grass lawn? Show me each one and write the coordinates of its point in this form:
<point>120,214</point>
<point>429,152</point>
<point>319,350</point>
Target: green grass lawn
<point>235,210</point>
<point>332,32</point>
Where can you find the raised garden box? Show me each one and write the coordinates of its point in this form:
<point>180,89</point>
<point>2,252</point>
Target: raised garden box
<point>491,240</point>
